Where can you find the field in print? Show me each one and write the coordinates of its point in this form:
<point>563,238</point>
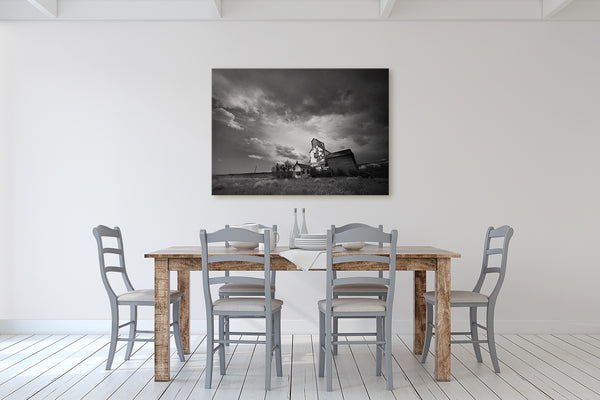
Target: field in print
<point>265,185</point>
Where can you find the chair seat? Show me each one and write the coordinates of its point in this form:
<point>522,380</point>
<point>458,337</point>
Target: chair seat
<point>354,305</point>
<point>145,296</point>
<point>234,288</point>
<point>459,297</point>
<point>361,288</point>
<point>245,304</point>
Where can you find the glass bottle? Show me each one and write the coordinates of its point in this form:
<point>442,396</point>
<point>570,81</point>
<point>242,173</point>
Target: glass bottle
<point>295,232</point>
<point>304,229</point>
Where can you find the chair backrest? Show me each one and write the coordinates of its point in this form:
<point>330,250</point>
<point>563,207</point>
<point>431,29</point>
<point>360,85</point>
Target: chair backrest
<point>240,235</point>
<point>362,234</point>
<point>101,232</point>
<point>260,226</point>
<point>505,232</point>
<point>354,225</point>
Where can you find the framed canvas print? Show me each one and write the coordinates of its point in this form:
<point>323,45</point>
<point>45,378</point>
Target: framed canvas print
<point>300,131</point>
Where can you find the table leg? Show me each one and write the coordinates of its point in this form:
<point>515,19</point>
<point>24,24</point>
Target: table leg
<point>161,320</point>
<point>183,285</point>
<point>420,311</point>
<point>442,320</point>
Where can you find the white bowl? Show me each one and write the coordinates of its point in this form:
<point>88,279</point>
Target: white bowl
<point>353,245</point>
<point>244,245</point>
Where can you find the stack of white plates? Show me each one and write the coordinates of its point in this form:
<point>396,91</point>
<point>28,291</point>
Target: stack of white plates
<point>308,241</point>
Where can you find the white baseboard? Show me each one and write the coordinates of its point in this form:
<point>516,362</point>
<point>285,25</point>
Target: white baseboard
<point>20,326</point>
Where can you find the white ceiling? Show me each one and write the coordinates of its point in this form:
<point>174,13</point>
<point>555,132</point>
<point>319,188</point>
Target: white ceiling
<point>384,10</point>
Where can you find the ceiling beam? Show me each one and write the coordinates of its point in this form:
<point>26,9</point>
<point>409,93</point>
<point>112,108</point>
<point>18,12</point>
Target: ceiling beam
<point>47,7</point>
<point>302,10</point>
<point>552,7</point>
<point>386,7</point>
<point>218,7</point>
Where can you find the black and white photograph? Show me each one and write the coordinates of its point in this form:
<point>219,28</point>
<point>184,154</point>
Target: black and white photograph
<point>300,131</point>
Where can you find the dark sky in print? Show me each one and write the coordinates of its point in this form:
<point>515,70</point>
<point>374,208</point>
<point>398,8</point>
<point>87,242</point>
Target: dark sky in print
<point>264,116</point>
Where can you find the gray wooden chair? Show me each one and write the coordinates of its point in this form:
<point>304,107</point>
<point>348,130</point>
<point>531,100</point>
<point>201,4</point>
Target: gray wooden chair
<point>355,289</point>
<point>132,298</point>
<point>230,289</point>
<point>238,289</point>
<point>240,307</point>
<point>475,299</point>
<point>358,307</point>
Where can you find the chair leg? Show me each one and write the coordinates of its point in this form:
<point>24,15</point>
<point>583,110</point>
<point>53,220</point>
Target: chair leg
<point>335,332</point>
<point>226,328</point>
<point>328,352</point>
<point>225,323</point>
<point>177,331</point>
<point>491,339</point>
<point>209,350</point>
<point>221,345</point>
<point>114,333</point>
<point>379,337</point>
<point>132,331</point>
<point>475,333</point>
<point>321,344</point>
<point>381,334</point>
<point>388,352</point>
<point>268,350</point>
<point>278,364</point>
<point>428,332</point>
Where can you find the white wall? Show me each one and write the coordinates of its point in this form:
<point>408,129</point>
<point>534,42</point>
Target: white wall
<point>491,123</point>
<point>5,167</point>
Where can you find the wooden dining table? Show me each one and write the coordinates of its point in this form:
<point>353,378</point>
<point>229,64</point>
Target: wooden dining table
<point>418,259</point>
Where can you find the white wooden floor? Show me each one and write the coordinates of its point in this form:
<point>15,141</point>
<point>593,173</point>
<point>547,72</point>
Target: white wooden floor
<point>72,367</point>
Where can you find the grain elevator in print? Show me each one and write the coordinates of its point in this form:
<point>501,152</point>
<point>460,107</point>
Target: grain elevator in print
<point>339,163</point>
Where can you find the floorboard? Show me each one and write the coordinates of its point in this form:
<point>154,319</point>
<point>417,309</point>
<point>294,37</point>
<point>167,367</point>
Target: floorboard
<point>463,384</point>
<point>11,340</point>
<point>403,388</point>
<point>22,367</point>
<point>145,374</point>
<point>580,342</point>
<point>5,337</point>
<point>579,382</point>
<point>365,362</point>
<point>118,377</point>
<point>582,360</point>
<point>43,373</point>
<point>229,386</point>
<point>183,382</point>
<point>497,383</point>
<point>304,373</point>
<point>280,386</point>
<point>525,388</point>
<point>44,367</point>
<point>425,386</point>
<point>63,383</point>
<point>548,376</point>
<point>199,392</point>
<point>92,378</point>
<point>350,381</point>
<point>23,349</point>
<point>322,392</point>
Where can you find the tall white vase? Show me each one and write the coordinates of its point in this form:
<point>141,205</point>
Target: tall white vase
<point>304,228</point>
<point>295,232</point>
